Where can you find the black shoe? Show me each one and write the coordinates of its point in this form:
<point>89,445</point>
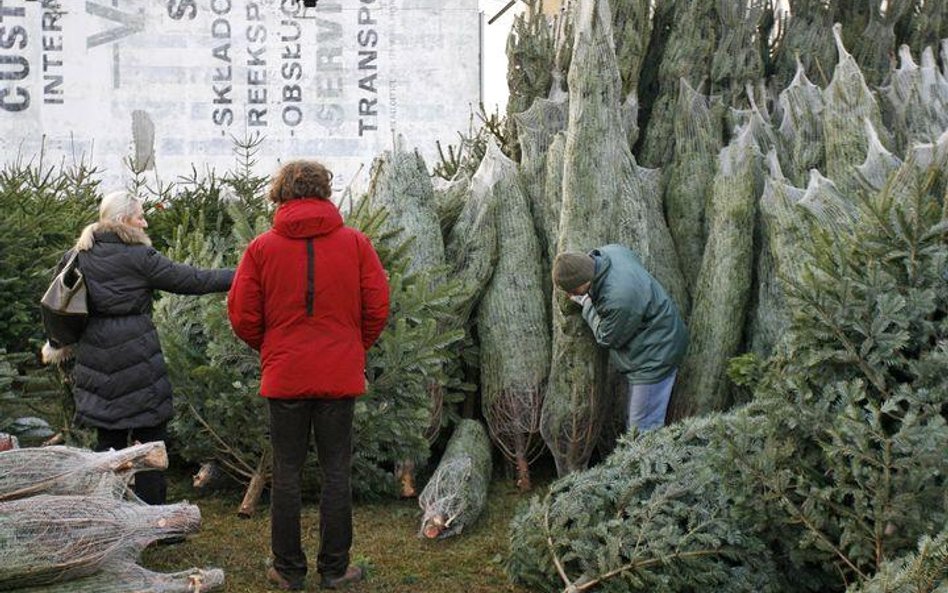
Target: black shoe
<point>353,574</point>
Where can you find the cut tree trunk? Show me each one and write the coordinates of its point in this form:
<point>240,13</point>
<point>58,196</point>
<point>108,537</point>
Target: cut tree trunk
<point>260,478</point>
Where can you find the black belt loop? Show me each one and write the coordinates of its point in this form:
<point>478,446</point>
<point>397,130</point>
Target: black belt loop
<point>310,276</point>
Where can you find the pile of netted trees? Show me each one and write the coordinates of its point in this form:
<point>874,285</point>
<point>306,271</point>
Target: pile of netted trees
<point>749,155</point>
<point>700,134</point>
<point>801,175</point>
<point>69,523</point>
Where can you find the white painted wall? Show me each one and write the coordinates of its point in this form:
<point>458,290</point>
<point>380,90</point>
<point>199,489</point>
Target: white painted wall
<point>107,79</point>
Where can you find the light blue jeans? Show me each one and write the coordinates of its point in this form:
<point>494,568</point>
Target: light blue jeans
<point>649,402</point>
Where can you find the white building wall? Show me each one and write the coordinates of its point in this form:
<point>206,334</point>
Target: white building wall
<point>177,80</point>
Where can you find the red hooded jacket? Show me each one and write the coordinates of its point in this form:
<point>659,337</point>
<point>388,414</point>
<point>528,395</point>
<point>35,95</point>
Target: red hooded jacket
<point>311,295</point>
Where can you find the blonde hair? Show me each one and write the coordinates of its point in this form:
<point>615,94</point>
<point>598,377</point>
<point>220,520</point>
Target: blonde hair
<point>115,209</point>
<point>118,206</point>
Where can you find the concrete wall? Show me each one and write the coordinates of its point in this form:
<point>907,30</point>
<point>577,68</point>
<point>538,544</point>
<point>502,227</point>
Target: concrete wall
<point>169,83</point>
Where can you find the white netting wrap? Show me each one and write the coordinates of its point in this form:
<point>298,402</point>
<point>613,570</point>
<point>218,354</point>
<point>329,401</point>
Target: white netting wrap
<point>779,227</point>
<point>807,41</point>
<point>537,128</point>
<point>689,176</point>
<point>592,177</point>
<point>724,282</point>
<point>45,539</point>
<point>632,27</point>
<point>450,198</point>
<point>879,163</point>
<point>737,59</point>
<point>400,183</point>
<point>553,191</point>
<point>471,248</point>
<point>688,53</point>
<point>917,99</point>
<point>931,154</point>
<point>801,126</point>
<point>125,577</point>
<point>827,203</point>
<point>512,324</point>
<point>877,41</point>
<point>848,103</point>
<point>457,491</point>
<point>70,470</point>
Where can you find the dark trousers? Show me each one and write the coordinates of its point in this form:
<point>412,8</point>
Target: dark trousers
<point>150,486</point>
<point>291,423</point>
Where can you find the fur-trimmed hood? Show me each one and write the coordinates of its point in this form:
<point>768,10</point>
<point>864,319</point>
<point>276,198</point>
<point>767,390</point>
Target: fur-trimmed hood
<point>127,234</point>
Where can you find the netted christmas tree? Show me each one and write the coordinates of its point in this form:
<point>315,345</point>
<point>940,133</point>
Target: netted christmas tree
<point>456,493</point>
<point>806,43</point>
<point>513,325</point>
<point>874,50</point>
<point>124,576</point>
<point>686,54</point>
<point>689,176</point>
<point>46,538</point>
<point>537,129</point>
<point>744,26</point>
<point>723,285</point>
<point>572,409</point>
<point>800,131</point>
<point>847,101</point>
<point>916,99</point>
<point>70,470</point>
<point>778,257</point>
<point>399,183</point>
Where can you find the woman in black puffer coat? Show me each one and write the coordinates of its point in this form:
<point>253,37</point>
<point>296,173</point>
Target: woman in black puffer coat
<point>120,383</point>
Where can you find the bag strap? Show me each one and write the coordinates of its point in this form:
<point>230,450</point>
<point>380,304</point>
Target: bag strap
<point>72,259</point>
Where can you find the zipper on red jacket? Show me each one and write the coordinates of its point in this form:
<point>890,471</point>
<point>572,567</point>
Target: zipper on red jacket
<point>310,277</point>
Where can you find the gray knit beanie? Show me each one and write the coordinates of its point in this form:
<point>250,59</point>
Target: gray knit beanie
<point>572,270</point>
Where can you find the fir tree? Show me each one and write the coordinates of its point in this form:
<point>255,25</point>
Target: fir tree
<point>843,454</point>
<point>923,571</point>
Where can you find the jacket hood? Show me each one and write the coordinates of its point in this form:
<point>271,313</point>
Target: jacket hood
<point>603,264</point>
<point>307,217</point>
<point>125,233</point>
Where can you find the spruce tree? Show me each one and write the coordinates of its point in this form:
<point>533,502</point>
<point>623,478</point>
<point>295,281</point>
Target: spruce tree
<point>842,456</point>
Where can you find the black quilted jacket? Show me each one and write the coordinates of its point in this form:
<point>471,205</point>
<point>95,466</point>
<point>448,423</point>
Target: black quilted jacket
<point>120,379</point>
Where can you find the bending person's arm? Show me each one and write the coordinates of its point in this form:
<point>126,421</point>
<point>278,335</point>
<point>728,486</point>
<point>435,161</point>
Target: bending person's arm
<point>614,327</point>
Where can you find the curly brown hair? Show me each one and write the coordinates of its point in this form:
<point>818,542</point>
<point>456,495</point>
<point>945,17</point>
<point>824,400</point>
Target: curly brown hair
<point>301,179</point>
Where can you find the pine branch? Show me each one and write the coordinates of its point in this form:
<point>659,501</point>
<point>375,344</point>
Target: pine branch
<point>798,514</point>
<point>248,470</point>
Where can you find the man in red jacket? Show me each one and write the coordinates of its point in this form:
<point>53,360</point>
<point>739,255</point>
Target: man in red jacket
<point>311,296</point>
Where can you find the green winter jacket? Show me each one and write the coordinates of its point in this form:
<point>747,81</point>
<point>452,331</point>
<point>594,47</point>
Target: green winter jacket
<point>632,315</point>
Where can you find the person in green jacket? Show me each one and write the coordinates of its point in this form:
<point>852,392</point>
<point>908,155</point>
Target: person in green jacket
<point>630,314</point>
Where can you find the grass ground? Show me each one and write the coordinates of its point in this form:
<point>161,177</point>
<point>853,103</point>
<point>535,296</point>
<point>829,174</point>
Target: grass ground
<point>386,542</point>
